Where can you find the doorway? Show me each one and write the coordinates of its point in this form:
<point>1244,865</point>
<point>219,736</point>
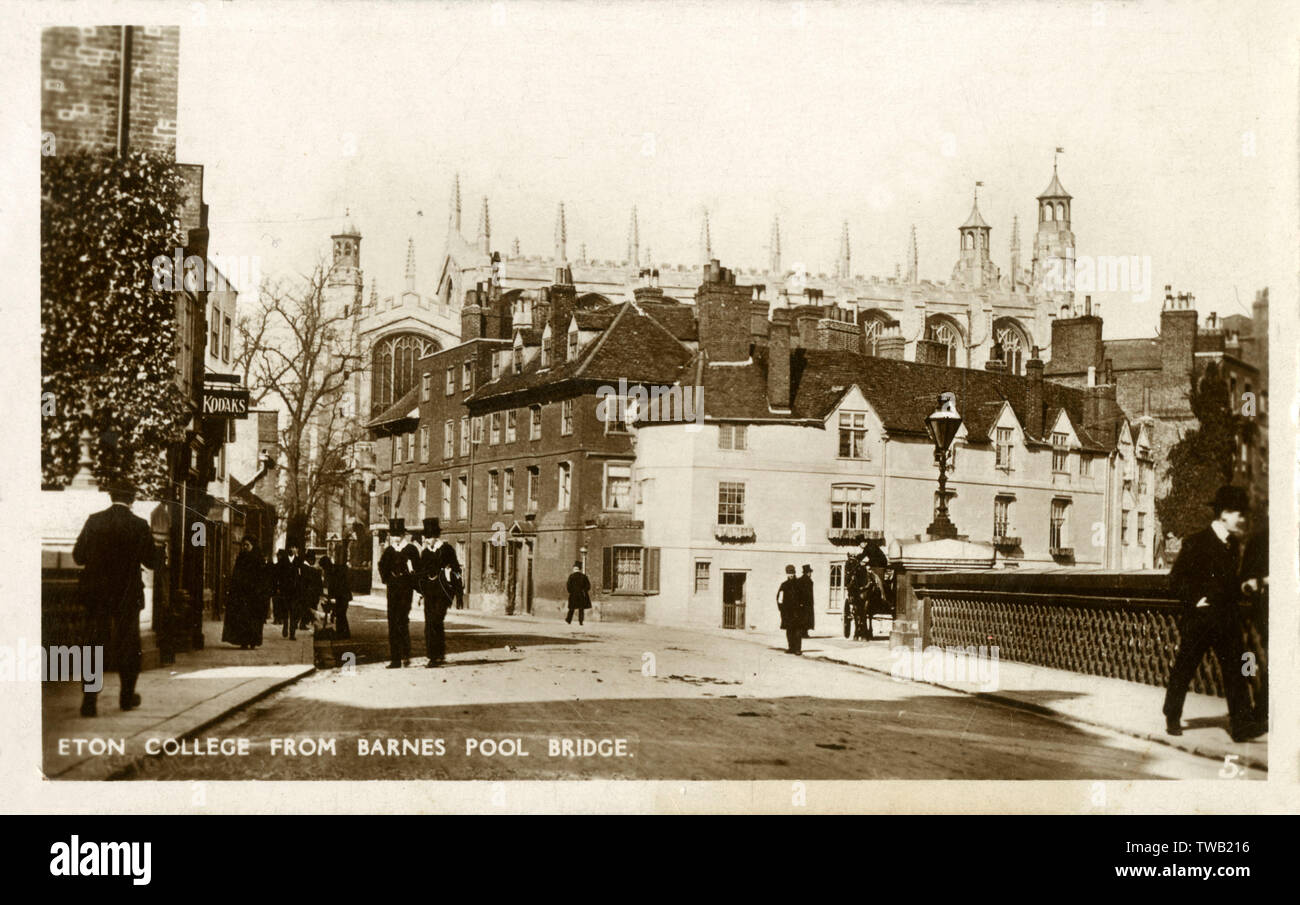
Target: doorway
<point>733,600</point>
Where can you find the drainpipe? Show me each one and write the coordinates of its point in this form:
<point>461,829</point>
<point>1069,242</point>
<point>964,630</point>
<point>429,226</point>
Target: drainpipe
<point>124,92</point>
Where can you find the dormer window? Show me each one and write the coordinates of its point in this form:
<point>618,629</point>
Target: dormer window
<point>1004,448</point>
<point>519,359</point>
<point>545,354</point>
<point>1060,452</point>
<point>573,345</point>
<point>496,365</point>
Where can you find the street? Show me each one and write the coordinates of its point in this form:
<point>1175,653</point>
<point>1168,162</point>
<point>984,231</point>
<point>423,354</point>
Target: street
<point>522,699</point>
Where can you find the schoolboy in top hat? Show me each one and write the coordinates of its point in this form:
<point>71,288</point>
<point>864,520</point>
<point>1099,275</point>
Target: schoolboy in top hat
<point>439,585</point>
<point>1206,578</point>
<point>396,570</point>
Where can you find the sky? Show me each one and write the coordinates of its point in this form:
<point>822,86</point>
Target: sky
<point>1178,124</point>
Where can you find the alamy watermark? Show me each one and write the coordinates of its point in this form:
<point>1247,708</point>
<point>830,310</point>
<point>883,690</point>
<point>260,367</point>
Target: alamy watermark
<point>1100,273</point>
<point>215,273</point>
<point>36,663</point>
<point>973,664</point>
<point>629,405</point>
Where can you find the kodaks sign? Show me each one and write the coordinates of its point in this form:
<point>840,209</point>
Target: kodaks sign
<point>225,402</point>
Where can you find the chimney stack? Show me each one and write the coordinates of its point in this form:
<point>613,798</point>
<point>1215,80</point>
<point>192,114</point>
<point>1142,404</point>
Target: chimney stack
<point>759,327</point>
<point>723,310</point>
<point>564,299</point>
<point>778,361</point>
<point>1034,396</point>
<point>471,317</point>
<point>1177,337</point>
<point>891,343</point>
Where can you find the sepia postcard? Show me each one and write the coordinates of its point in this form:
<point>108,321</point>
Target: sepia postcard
<point>651,407</point>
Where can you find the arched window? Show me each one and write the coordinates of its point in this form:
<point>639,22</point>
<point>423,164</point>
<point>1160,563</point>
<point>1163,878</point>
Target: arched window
<point>1014,341</point>
<point>1060,210</point>
<point>873,328</point>
<point>967,241</point>
<point>394,361</point>
<point>943,330</point>
<point>1047,211</point>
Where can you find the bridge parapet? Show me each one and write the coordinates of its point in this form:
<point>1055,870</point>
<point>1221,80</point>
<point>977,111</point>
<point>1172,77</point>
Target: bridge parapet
<point>1121,625</point>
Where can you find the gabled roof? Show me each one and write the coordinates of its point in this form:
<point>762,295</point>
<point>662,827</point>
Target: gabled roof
<point>903,393</point>
<point>633,346</point>
<point>530,336</point>
<point>1054,189</point>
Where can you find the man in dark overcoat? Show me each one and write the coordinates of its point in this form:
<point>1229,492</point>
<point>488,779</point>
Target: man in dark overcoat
<point>806,600</point>
<point>1206,578</point>
<point>113,546</point>
<point>440,583</point>
<point>789,603</point>
<point>578,587</point>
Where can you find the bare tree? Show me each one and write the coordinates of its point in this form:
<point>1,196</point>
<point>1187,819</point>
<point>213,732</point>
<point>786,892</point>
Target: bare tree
<point>298,354</point>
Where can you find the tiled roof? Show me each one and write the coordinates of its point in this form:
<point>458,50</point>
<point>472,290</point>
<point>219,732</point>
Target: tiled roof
<point>399,410</point>
<point>1132,354</point>
<point>531,336</point>
<point>593,320</point>
<point>678,319</point>
<point>903,393</point>
<point>633,346</point>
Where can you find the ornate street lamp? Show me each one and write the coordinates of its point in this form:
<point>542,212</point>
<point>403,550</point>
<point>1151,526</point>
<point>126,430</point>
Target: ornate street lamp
<point>942,426</point>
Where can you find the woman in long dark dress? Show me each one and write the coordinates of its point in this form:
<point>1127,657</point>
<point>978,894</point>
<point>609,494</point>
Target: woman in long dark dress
<point>242,602</point>
<point>337,586</point>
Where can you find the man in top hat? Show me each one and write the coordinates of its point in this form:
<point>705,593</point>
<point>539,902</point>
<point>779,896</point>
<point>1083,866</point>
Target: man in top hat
<point>439,586</point>
<point>806,604</point>
<point>789,603</point>
<point>1206,578</point>
<point>113,545</point>
<point>579,588</point>
<point>397,569</point>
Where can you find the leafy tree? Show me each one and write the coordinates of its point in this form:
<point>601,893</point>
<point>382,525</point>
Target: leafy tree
<point>109,345</point>
<point>1203,459</point>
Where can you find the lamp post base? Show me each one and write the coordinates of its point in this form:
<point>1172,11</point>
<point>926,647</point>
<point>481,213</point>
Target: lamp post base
<point>941,528</point>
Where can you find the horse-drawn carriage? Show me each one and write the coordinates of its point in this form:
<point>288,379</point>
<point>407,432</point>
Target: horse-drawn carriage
<point>868,585</point>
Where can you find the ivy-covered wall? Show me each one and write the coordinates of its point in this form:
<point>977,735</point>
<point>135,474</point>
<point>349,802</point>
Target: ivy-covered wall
<point>108,337</point>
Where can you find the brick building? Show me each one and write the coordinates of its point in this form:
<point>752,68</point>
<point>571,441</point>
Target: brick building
<point>1152,376</point>
<point>809,445</point>
<point>82,80</point>
<point>505,439</point>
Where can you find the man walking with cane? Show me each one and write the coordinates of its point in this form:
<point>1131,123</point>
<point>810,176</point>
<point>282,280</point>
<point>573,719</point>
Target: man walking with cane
<point>1206,578</point>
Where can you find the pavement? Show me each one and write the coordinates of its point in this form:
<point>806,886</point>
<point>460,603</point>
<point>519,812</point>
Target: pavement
<point>178,701</point>
<point>1117,705</point>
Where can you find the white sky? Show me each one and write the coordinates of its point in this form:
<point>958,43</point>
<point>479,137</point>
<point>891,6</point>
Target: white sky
<point>884,115</point>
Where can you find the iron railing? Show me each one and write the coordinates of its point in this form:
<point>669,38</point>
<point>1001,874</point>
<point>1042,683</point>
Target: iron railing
<point>1102,624</point>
